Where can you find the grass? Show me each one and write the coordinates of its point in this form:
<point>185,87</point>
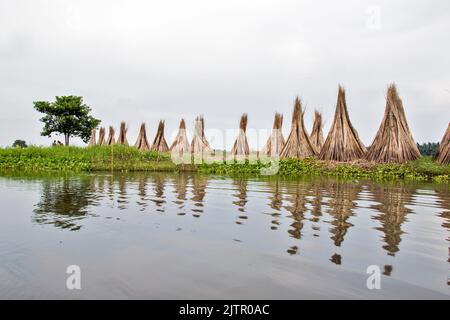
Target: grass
<point>121,158</point>
<point>423,169</point>
<point>118,158</point>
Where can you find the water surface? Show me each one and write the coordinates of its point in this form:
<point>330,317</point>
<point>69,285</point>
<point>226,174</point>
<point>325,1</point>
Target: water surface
<point>179,236</point>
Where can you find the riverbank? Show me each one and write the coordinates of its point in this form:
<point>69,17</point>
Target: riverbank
<point>121,158</point>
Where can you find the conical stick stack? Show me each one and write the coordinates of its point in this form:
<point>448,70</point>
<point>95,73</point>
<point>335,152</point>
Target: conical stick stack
<point>393,142</point>
<point>317,132</point>
<point>181,143</point>
<point>199,144</point>
<point>101,137</point>
<point>93,139</point>
<point>159,143</point>
<point>111,137</point>
<point>142,141</point>
<point>240,147</point>
<point>123,134</point>
<point>443,155</point>
<point>342,143</point>
<point>298,145</point>
<point>275,142</point>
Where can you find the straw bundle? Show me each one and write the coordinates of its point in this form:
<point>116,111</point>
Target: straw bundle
<point>276,141</point>
<point>199,144</point>
<point>142,141</point>
<point>317,131</point>
<point>101,137</point>
<point>298,144</point>
<point>443,155</point>
<point>111,138</point>
<point>123,134</point>
<point>159,143</point>
<point>240,147</point>
<point>342,143</point>
<point>181,144</point>
<point>93,139</point>
<point>394,141</point>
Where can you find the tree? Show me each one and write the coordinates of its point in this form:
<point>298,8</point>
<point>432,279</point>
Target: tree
<point>69,116</point>
<point>19,144</point>
<point>428,149</point>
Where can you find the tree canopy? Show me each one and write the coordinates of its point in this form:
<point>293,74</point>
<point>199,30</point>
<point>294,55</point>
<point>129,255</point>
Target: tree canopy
<point>69,116</point>
<point>19,144</point>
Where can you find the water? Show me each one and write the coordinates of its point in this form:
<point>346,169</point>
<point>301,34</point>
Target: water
<point>169,236</point>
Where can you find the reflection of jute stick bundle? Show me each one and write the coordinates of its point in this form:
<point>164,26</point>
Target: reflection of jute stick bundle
<point>392,208</point>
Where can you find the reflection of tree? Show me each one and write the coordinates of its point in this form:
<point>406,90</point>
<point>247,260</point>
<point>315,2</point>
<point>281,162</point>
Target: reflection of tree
<point>296,193</point>
<point>64,202</point>
<point>392,200</point>
<point>199,184</point>
<point>341,203</point>
<point>241,196</point>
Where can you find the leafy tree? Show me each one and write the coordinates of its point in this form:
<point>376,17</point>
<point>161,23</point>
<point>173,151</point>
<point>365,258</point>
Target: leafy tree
<point>19,144</point>
<point>68,116</point>
<point>428,149</point>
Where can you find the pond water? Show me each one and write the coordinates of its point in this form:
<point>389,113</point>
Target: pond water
<point>182,236</point>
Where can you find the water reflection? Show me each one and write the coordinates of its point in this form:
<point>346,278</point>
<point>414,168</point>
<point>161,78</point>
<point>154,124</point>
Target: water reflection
<point>240,194</point>
<point>199,185</point>
<point>392,213</point>
<point>64,202</point>
<point>325,205</point>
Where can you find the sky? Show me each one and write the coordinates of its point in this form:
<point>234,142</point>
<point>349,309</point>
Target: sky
<point>149,60</point>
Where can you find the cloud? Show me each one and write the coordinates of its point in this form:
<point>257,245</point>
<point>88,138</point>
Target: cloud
<point>142,61</point>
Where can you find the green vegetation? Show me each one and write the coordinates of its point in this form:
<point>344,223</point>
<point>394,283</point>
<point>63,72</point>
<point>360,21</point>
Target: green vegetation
<point>122,158</point>
<point>118,158</point>
<point>422,169</point>
<point>428,149</point>
<point>68,116</point>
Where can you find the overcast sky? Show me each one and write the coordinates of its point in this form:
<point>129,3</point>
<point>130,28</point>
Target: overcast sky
<point>145,60</point>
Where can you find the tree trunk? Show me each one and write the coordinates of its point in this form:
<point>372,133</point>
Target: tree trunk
<point>67,138</point>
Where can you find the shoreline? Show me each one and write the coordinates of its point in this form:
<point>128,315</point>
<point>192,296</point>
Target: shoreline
<point>129,159</point>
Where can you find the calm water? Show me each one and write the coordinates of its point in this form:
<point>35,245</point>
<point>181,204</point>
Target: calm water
<point>164,236</point>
